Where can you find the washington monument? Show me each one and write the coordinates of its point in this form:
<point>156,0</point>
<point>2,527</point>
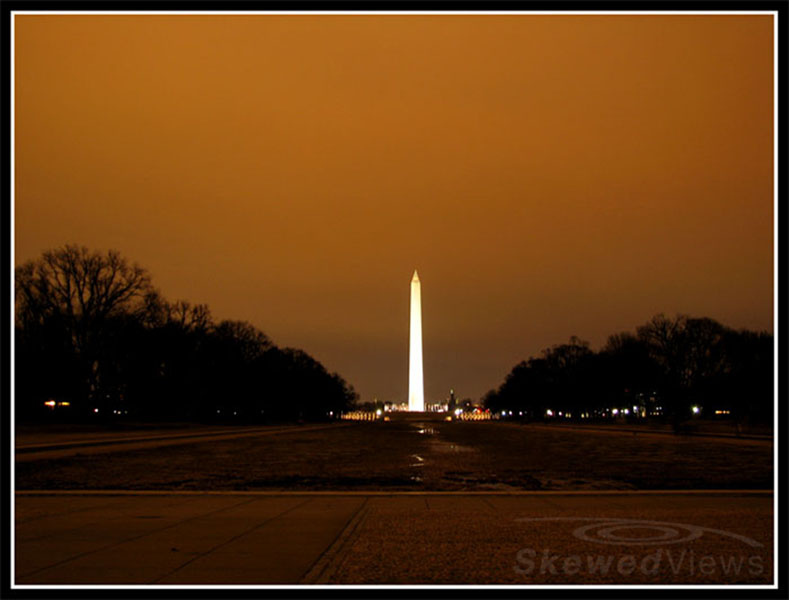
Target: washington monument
<point>416,387</point>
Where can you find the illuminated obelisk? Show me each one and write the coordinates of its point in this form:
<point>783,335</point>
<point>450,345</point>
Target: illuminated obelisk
<point>416,387</point>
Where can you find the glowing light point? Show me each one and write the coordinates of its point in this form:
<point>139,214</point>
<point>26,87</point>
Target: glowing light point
<point>416,387</point>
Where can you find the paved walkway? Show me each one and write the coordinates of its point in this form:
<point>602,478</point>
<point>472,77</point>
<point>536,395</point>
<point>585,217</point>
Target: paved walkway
<point>48,446</point>
<point>409,538</point>
<point>617,429</point>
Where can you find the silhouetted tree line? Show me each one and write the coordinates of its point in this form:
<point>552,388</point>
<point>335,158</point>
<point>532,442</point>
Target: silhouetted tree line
<point>664,370</point>
<point>95,338</point>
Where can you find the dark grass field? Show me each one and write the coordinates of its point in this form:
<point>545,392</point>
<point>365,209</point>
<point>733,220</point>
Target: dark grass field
<point>430,455</point>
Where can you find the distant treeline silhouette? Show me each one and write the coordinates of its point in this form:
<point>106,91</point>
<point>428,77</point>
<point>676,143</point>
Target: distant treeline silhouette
<point>94,338</point>
<point>671,368</point>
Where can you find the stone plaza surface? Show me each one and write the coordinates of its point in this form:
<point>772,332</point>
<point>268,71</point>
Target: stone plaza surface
<point>393,538</point>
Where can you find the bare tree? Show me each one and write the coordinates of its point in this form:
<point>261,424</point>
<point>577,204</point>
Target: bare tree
<point>79,291</point>
<point>81,287</point>
<point>188,316</point>
<point>249,341</point>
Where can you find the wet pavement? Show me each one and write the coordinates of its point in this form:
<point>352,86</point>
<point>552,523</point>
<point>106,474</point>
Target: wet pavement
<point>418,453</point>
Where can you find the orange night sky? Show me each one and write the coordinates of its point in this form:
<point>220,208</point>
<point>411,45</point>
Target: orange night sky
<point>548,176</point>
